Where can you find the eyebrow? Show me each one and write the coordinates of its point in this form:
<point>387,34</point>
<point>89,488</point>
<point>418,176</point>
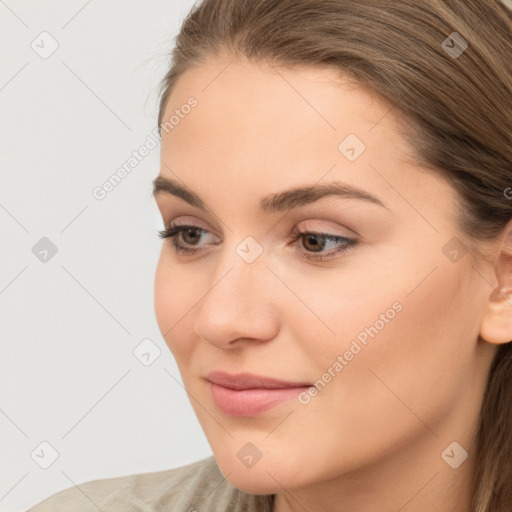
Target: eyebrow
<point>281,201</point>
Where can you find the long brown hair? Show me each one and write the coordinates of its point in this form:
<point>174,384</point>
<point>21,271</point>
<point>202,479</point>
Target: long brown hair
<point>457,102</point>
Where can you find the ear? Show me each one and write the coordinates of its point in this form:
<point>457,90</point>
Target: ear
<point>496,325</point>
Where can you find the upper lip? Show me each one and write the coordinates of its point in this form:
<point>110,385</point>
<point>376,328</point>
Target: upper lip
<point>250,381</point>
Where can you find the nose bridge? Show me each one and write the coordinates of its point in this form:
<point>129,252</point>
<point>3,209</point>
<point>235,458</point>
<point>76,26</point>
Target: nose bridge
<point>239,302</point>
<point>241,269</point>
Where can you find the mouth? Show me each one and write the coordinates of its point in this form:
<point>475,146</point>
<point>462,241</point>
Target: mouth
<point>247,394</point>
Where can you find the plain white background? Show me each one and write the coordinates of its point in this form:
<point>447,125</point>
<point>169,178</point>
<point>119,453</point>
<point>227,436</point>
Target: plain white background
<point>70,324</point>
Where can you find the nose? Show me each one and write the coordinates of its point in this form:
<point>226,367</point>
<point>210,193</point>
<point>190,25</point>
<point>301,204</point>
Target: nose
<point>240,304</point>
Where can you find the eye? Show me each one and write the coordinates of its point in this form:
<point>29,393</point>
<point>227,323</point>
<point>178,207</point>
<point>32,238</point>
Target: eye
<point>317,243</point>
<point>314,242</point>
<point>188,232</point>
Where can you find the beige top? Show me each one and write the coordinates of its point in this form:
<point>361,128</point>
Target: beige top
<point>196,487</point>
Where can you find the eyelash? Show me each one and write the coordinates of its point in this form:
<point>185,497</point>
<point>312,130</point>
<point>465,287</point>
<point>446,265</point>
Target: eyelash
<point>172,232</point>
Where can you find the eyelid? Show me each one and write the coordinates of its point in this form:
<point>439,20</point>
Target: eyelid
<point>326,227</point>
<point>192,221</point>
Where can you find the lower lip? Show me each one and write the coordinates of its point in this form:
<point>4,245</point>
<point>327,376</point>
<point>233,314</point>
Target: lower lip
<point>251,402</point>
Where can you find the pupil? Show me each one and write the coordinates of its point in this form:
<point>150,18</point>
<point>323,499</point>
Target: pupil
<point>189,231</point>
<point>316,245</point>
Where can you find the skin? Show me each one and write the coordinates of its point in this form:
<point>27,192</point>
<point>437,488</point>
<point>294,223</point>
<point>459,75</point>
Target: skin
<point>372,438</point>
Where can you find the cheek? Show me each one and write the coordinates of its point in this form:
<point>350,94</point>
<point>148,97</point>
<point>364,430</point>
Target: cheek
<point>357,300</point>
<point>162,296</point>
<point>419,360</point>
<point>174,296</point>
<point>410,324</point>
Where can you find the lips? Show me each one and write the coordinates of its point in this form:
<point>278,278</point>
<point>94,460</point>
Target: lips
<point>251,381</point>
<point>246,394</point>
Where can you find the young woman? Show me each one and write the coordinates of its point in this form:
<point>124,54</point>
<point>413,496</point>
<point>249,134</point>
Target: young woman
<point>335,280</point>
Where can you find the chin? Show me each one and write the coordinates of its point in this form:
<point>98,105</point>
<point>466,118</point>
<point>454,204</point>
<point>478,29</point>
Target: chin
<point>264,477</point>
<point>254,483</point>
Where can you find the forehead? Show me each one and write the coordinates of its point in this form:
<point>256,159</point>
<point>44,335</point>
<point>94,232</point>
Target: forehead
<point>303,110</point>
<point>325,100</point>
<point>262,128</point>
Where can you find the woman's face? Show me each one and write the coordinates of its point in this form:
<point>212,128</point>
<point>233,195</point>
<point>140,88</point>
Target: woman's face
<point>378,329</point>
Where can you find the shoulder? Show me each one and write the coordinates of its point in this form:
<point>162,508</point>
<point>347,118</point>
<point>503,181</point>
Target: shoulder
<point>191,488</point>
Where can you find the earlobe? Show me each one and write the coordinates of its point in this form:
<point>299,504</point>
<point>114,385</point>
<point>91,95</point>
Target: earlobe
<point>496,324</point>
